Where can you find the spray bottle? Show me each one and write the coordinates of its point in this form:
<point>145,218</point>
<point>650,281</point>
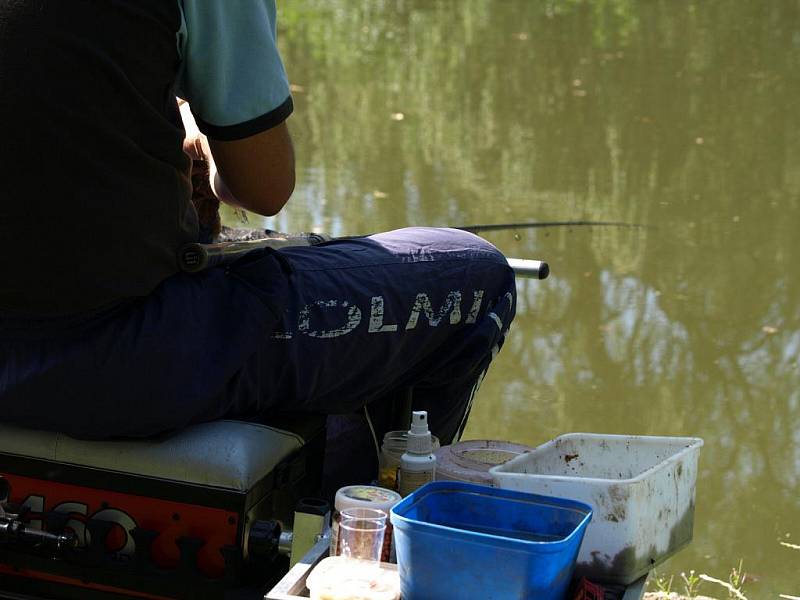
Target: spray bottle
<point>418,464</point>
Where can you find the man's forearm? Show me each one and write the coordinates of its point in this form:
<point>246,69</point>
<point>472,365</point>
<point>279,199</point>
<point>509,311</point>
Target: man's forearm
<point>218,186</point>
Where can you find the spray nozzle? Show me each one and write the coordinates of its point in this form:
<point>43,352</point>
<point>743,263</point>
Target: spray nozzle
<point>419,422</point>
<point>419,436</point>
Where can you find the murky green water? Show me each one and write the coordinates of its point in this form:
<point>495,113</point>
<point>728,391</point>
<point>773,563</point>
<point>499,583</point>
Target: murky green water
<point>682,116</point>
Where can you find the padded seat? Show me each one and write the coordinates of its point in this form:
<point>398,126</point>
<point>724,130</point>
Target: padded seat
<point>232,455</point>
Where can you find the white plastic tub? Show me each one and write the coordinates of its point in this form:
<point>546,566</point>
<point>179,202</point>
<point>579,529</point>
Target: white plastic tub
<point>642,490</point>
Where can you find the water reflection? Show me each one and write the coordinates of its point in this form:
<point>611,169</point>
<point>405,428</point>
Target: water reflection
<point>677,115</point>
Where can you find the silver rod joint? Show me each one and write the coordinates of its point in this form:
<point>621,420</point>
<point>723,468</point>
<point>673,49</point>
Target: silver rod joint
<point>524,267</point>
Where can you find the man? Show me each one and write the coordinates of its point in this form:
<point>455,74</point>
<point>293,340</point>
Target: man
<point>101,335</point>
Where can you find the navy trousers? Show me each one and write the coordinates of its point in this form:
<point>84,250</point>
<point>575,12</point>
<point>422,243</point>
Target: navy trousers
<point>329,329</point>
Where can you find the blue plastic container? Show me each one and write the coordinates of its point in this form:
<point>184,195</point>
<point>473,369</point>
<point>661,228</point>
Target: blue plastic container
<point>461,540</point>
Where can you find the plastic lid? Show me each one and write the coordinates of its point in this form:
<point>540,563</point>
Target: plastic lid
<point>366,496</point>
<point>395,444</point>
<point>341,578</point>
<point>471,460</point>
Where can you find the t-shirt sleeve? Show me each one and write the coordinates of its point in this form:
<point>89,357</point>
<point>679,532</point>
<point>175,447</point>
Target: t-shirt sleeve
<point>231,72</point>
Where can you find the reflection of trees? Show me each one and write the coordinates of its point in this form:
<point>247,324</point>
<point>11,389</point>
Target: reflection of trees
<point>606,353</point>
<point>680,115</point>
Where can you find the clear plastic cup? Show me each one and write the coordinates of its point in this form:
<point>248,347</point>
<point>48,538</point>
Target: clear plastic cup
<point>361,533</point>
<point>358,513</point>
<point>362,513</point>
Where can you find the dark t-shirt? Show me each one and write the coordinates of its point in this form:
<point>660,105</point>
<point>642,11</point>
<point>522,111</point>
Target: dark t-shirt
<point>94,186</point>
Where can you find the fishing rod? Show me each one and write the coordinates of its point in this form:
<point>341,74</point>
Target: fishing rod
<point>195,257</point>
<point>543,224</point>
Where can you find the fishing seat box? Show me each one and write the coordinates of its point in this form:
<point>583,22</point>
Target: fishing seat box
<point>189,515</point>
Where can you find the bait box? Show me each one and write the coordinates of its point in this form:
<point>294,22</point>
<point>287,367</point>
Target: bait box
<point>485,542</point>
<point>641,488</point>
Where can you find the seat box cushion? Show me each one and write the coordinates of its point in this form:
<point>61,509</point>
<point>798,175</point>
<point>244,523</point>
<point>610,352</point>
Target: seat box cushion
<point>227,454</point>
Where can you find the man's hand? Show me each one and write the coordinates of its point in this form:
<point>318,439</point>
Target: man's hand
<point>195,144</point>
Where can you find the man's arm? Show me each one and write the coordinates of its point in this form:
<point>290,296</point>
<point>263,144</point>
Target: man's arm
<point>232,75</point>
<point>256,172</point>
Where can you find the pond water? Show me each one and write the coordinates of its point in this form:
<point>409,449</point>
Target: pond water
<point>679,116</point>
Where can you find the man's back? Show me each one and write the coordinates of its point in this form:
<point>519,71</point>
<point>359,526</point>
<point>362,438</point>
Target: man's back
<point>94,194</point>
<point>92,160</point>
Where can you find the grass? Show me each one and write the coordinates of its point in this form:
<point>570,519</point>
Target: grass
<point>688,585</point>
<point>790,547</point>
